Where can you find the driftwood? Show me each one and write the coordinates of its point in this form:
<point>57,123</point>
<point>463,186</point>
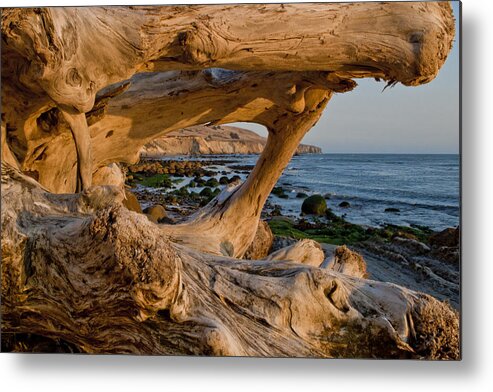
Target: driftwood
<point>87,274</point>
<point>58,59</point>
<point>80,272</point>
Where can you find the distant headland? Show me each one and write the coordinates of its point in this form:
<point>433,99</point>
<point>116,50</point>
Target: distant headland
<point>213,139</point>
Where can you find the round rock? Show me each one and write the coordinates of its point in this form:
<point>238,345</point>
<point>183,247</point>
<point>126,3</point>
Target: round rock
<point>314,205</point>
<point>155,212</point>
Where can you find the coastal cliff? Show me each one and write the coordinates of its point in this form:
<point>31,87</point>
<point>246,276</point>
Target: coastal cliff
<point>216,139</point>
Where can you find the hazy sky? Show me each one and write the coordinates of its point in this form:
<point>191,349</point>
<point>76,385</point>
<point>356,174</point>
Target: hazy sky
<point>423,119</point>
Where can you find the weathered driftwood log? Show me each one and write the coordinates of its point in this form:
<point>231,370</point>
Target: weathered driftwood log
<point>130,114</point>
<point>82,273</point>
<point>61,57</point>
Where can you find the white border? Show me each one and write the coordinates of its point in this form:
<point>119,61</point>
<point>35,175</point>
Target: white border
<point>117,373</point>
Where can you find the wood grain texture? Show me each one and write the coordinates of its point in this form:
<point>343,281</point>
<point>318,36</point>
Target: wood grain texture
<point>62,57</point>
<point>83,270</point>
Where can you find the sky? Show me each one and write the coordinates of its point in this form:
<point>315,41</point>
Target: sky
<point>422,119</point>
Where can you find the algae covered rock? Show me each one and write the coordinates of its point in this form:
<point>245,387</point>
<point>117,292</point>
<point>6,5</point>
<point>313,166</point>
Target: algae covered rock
<point>206,192</point>
<point>314,205</point>
<point>212,182</point>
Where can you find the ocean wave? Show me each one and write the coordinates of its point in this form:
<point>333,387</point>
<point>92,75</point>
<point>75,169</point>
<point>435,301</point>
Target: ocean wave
<point>424,187</point>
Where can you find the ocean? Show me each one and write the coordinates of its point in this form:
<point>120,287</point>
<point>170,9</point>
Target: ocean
<point>424,188</point>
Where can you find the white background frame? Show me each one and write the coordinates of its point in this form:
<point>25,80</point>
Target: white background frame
<point>41,372</point>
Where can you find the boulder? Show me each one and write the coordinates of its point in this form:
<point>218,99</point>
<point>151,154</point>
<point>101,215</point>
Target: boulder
<point>279,192</point>
<point>262,242</point>
<point>206,192</point>
<point>236,177</point>
<point>276,211</point>
<point>392,209</point>
<point>199,181</point>
<point>344,204</point>
<point>314,205</point>
<point>212,182</point>
<point>131,202</point>
<point>155,213</point>
<point>449,237</point>
<point>281,218</point>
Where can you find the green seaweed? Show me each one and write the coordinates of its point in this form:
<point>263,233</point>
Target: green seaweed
<point>338,231</point>
<point>156,181</point>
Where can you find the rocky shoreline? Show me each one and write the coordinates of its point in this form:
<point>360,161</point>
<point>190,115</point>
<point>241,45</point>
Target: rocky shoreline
<point>415,257</point>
